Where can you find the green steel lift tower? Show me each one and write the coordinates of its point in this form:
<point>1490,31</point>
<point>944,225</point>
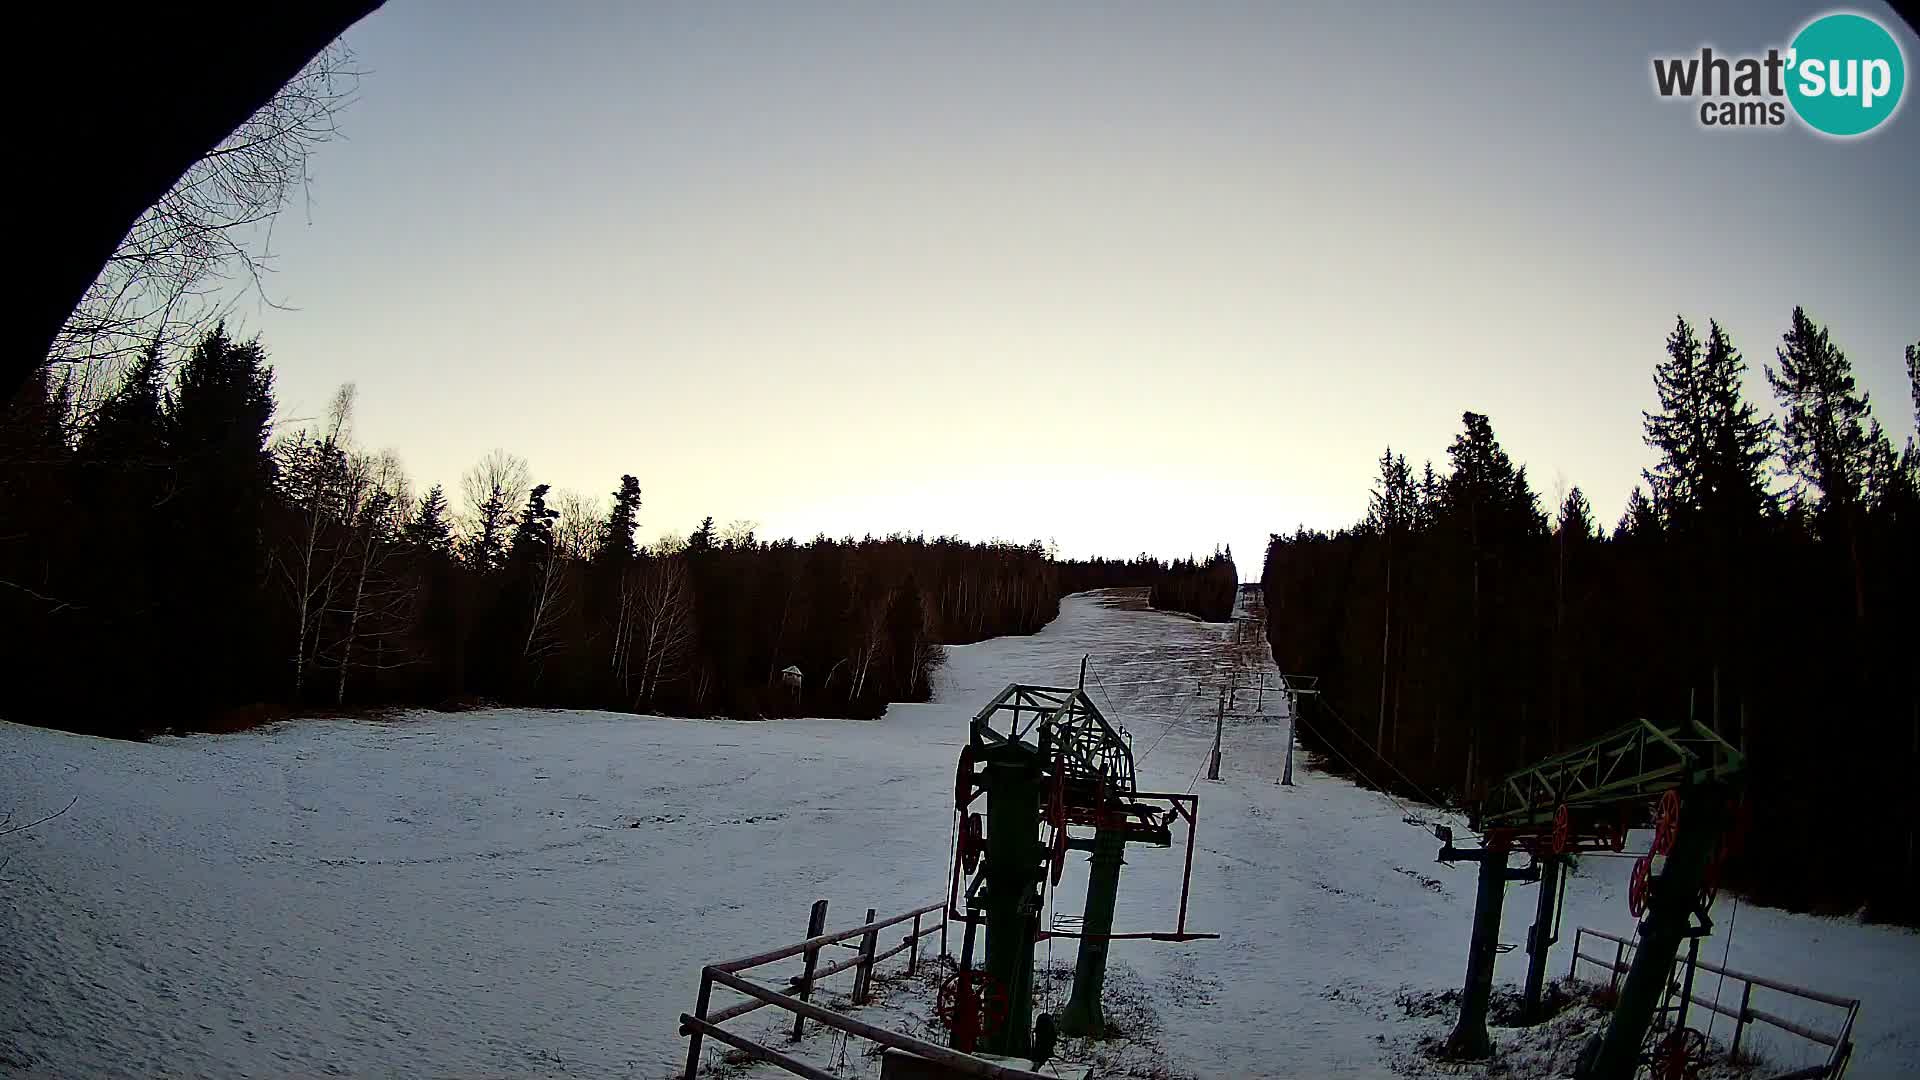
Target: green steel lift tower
<point>1583,800</point>
<point>1052,761</point>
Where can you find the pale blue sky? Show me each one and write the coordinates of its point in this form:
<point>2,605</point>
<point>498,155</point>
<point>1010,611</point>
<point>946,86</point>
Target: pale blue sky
<point>1135,276</point>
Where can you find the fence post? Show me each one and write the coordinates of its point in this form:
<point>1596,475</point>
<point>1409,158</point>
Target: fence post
<point>1619,958</point>
<point>944,919</point>
<point>699,1011</point>
<point>1739,1026</point>
<point>863,972</point>
<point>913,950</point>
<point>816,925</point>
<point>1575,962</point>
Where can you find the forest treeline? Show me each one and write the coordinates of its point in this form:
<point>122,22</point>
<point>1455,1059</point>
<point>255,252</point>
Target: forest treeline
<point>173,560</point>
<point>1206,588</point>
<point>1763,579</point>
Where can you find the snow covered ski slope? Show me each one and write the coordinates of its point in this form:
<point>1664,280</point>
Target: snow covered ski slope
<point>515,893</point>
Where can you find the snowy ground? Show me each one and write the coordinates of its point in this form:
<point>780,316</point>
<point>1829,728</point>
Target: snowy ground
<point>463,895</point>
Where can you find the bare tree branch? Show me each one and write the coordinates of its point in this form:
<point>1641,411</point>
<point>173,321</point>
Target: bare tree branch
<point>11,829</point>
<point>167,281</point>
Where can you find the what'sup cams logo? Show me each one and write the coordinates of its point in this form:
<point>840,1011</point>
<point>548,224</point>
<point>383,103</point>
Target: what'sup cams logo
<point>1843,75</point>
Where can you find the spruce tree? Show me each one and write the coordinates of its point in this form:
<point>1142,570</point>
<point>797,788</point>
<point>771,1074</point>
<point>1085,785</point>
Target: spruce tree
<point>1490,512</point>
<point>1575,522</point>
<point>30,425</point>
<point>616,543</point>
<point>1678,430</point>
<point>1910,461</point>
<point>1741,438</point>
<point>1641,521</point>
<point>211,538</point>
<point>702,539</point>
<point>1713,443</point>
<point>429,529</point>
<point>222,406</point>
<point>533,537</point>
<point>1427,514</point>
<point>1394,505</point>
<point>1913,379</point>
<point>1486,493</point>
<point>1824,441</point>
<point>1391,513</point>
<point>131,423</point>
<point>486,548</point>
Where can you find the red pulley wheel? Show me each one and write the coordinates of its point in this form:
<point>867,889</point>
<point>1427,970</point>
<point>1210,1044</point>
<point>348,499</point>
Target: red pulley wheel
<point>972,843</point>
<point>971,1004</point>
<point>963,779</point>
<point>1638,885</point>
<point>1562,830</point>
<point>1666,824</point>
<point>1680,1055</point>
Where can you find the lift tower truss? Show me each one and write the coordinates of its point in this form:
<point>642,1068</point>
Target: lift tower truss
<point>1046,755</point>
<point>1583,800</point>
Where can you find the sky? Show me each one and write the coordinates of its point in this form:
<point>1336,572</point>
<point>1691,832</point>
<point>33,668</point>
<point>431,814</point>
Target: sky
<point>1125,277</point>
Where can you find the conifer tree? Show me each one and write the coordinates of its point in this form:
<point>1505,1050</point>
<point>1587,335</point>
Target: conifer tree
<point>222,406</point>
<point>1575,521</point>
<point>533,537</point>
<point>131,423</point>
<point>1678,430</point>
<point>701,540</point>
<point>1486,493</point>
<point>1742,439</point>
<point>1824,441</point>
<point>1428,514</point>
<point>217,419</point>
<point>429,528</point>
<point>1913,379</point>
<point>1713,443</point>
<point>492,487</point>
<point>1911,462</point>
<point>1391,513</point>
<point>616,542</point>
<point>1641,521</point>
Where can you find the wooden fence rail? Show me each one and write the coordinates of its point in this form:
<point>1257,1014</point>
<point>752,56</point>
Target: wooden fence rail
<point>704,1021</point>
<point>1839,1043</point>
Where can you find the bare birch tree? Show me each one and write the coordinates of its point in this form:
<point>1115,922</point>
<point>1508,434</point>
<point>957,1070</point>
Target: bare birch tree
<point>626,621</point>
<point>667,628</point>
<point>313,472</point>
<point>377,600</point>
<point>550,602</point>
<point>582,523</point>
<point>870,642</point>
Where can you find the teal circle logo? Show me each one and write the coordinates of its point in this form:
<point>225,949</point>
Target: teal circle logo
<point>1845,74</point>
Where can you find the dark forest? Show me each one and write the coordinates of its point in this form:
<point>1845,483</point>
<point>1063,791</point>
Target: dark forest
<point>1762,579</point>
<point>175,561</point>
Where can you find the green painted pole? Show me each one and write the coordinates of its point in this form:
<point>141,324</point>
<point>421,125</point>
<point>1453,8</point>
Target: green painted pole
<point>1540,939</point>
<point>1083,1016</point>
<point>1013,780</point>
<point>1670,904</point>
<point>1469,1039</point>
